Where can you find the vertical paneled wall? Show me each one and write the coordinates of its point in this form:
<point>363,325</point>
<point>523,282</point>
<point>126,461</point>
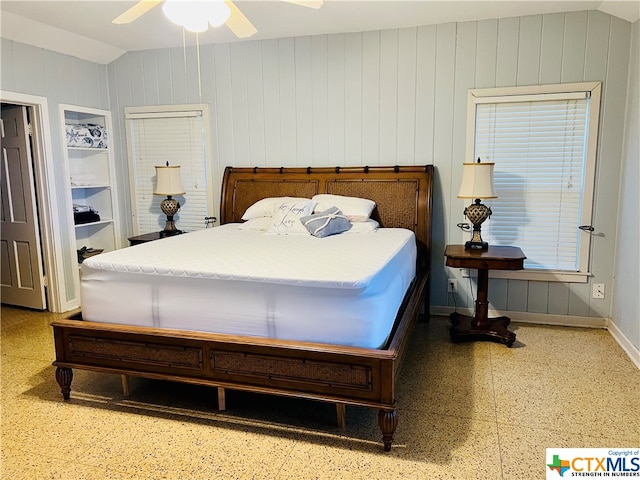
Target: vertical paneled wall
<point>626,301</point>
<point>395,97</point>
<point>60,79</point>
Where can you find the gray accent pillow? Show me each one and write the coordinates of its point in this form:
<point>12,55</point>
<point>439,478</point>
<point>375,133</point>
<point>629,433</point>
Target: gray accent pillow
<point>329,222</point>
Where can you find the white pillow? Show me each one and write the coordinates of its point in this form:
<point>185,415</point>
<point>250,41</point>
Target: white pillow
<point>286,217</point>
<point>260,224</point>
<point>363,227</point>
<point>354,208</point>
<point>266,206</point>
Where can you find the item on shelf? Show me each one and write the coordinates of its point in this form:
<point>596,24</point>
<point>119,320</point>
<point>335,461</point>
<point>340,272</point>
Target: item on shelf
<point>84,180</point>
<point>84,214</point>
<point>87,135</point>
<point>86,252</point>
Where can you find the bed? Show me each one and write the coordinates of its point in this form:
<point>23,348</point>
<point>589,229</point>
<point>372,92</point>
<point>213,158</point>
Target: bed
<point>351,369</point>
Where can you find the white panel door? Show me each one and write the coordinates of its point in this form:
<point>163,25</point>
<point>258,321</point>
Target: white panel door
<point>21,257</point>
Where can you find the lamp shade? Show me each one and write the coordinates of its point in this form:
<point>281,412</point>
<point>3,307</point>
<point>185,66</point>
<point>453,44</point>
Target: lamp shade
<point>196,15</point>
<point>477,181</point>
<point>168,181</point>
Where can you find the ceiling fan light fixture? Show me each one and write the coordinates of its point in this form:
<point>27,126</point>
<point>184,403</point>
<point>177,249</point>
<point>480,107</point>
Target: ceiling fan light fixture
<point>193,15</point>
<point>175,11</point>
<point>196,25</point>
<point>218,12</point>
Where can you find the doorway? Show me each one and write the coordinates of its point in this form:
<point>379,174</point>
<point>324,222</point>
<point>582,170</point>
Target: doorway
<point>22,277</point>
<point>46,225</point>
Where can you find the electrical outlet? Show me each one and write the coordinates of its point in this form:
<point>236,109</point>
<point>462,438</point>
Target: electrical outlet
<point>597,290</point>
<point>452,285</point>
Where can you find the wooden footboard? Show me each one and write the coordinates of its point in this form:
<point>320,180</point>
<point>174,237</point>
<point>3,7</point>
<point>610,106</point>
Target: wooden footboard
<point>338,374</point>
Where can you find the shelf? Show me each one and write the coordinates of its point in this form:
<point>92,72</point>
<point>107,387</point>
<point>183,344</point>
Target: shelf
<point>88,149</point>
<point>93,224</point>
<point>96,235</point>
<point>84,187</point>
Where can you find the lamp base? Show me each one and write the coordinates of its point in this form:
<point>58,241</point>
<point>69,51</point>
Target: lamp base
<point>477,213</point>
<point>170,233</point>
<point>170,207</point>
<point>470,245</point>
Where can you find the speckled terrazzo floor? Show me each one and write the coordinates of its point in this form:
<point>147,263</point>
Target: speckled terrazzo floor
<point>467,411</point>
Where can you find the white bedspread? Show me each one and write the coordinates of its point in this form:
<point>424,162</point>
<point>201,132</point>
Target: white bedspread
<point>343,289</point>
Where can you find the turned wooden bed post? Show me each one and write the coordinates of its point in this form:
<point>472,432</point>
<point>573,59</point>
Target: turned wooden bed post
<point>388,421</point>
<point>64,376</point>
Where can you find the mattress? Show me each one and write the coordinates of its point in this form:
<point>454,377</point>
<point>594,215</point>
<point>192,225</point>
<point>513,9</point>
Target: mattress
<point>344,289</point>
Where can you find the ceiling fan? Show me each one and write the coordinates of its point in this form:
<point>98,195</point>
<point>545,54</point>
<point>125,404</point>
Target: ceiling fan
<point>204,12</point>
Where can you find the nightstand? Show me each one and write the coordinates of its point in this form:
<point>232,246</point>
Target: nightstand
<point>146,237</point>
<point>480,327</point>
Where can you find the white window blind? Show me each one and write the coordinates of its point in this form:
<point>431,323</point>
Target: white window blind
<point>539,148</point>
<point>178,138</point>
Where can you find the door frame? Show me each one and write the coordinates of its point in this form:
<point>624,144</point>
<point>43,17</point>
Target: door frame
<point>46,195</point>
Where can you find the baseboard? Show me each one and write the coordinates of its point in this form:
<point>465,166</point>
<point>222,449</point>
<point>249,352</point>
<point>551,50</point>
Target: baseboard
<point>528,317</point>
<point>559,320</point>
<point>629,348</point>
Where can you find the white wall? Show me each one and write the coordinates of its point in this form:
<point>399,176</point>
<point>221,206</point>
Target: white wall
<point>398,97</point>
<point>626,302</point>
<point>61,79</point>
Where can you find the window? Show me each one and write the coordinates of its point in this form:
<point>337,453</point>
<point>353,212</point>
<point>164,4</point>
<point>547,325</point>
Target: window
<point>174,134</point>
<point>543,143</point>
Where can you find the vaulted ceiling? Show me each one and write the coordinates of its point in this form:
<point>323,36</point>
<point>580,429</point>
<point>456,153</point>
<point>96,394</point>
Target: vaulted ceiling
<point>84,29</point>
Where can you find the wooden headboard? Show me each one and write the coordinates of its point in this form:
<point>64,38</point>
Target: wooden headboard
<point>403,194</point>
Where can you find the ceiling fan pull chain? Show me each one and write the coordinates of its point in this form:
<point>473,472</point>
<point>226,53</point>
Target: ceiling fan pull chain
<point>198,59</point>
<point>184,55</point>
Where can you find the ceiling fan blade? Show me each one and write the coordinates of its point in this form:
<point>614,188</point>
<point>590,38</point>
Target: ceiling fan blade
<point>238,23</point>
<point>306,3</point>
<point>135,12</point>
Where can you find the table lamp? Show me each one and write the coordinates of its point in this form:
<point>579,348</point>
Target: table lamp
<point>477,183</point>
<point>169,183</point>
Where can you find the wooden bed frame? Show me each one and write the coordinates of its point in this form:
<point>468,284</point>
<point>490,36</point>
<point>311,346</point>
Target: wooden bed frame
<point>338,374</point>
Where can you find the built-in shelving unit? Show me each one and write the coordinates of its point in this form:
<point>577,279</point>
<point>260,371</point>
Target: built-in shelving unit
<point>91,173</point>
